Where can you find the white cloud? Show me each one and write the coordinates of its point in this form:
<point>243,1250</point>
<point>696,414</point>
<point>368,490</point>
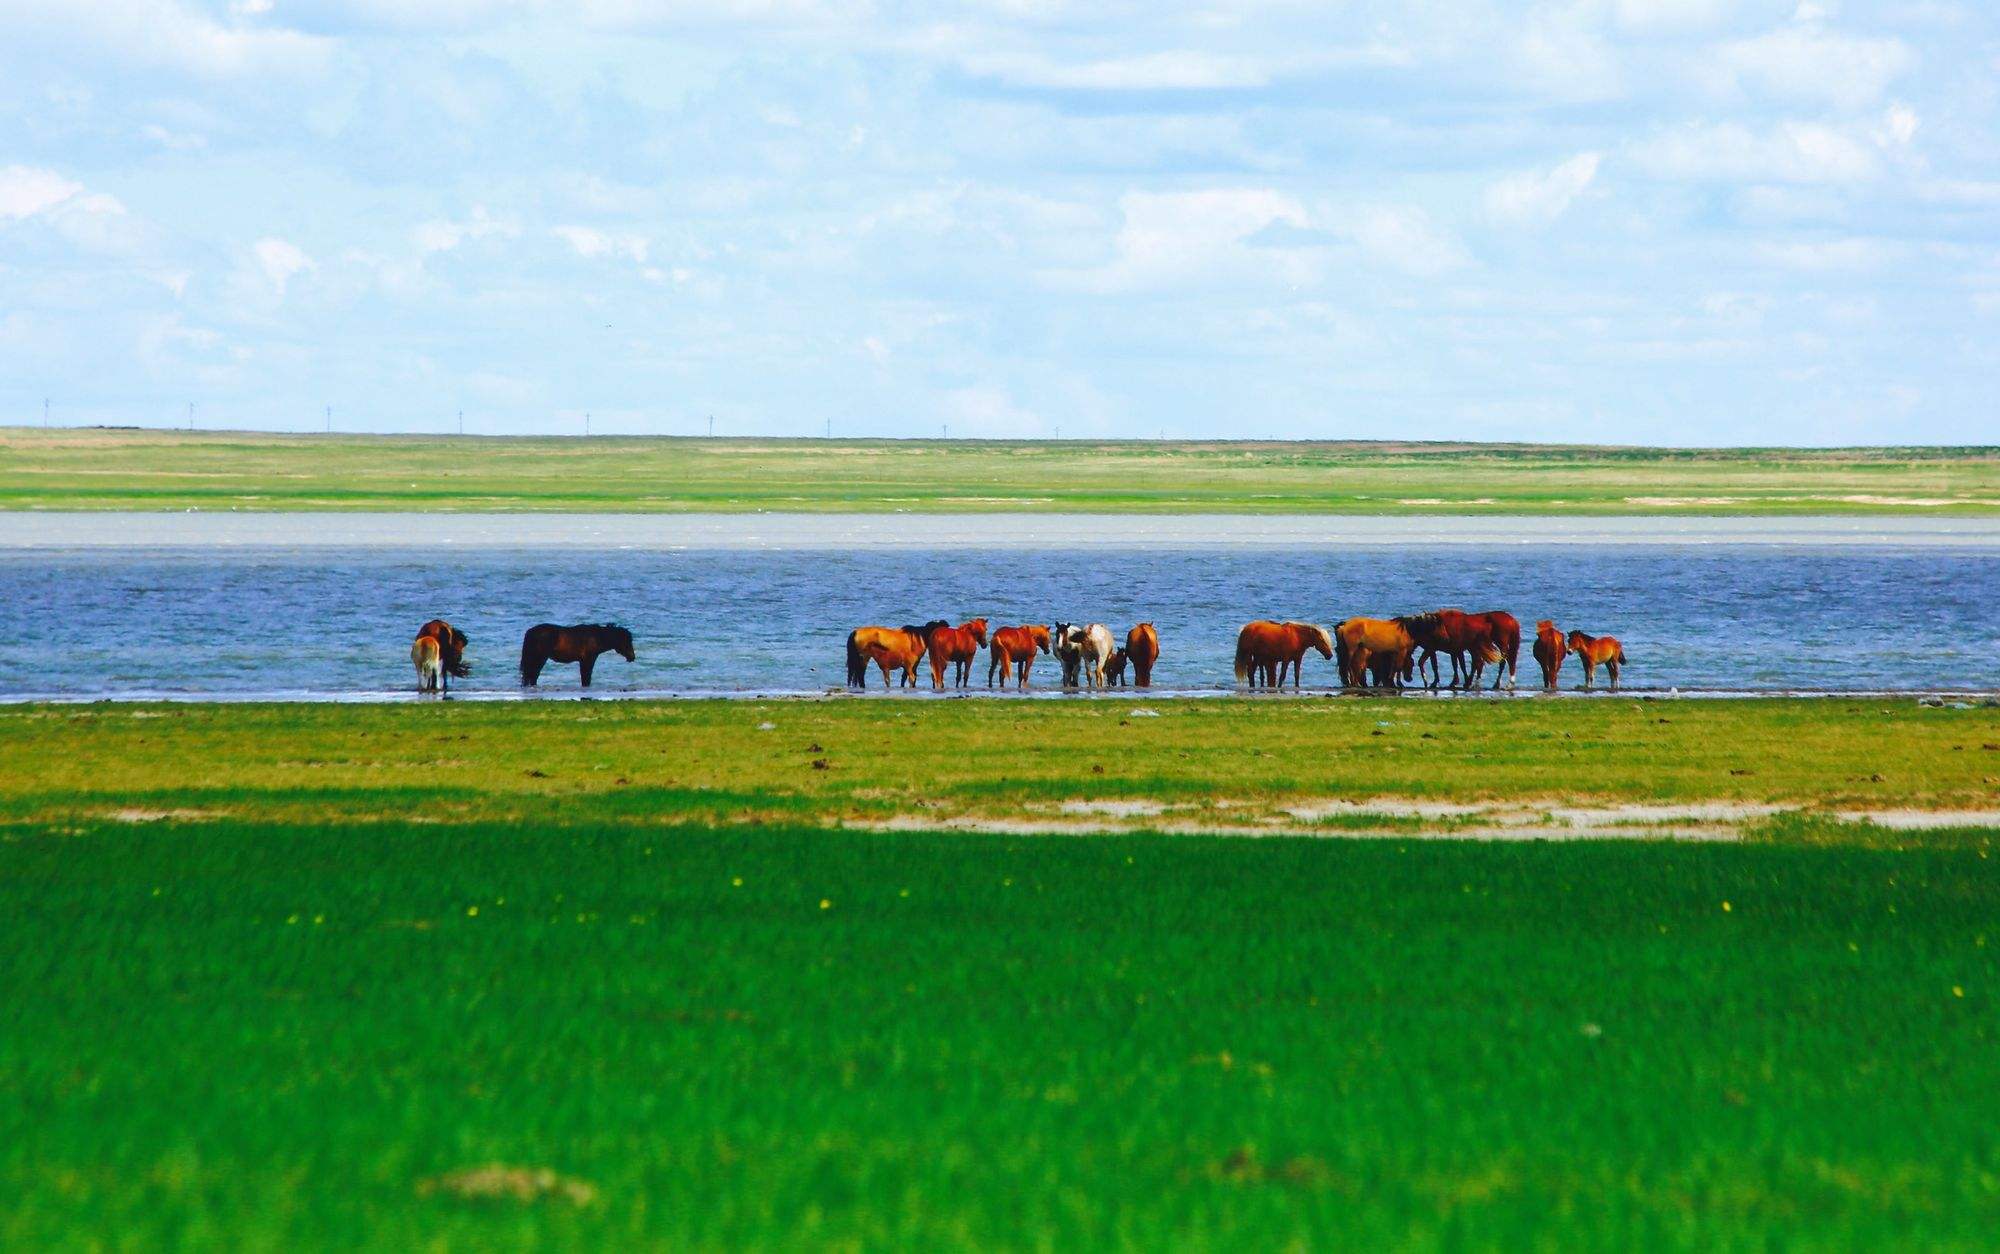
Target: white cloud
<point>593,243</point>
<point>1791,152</point>
<point>1538,196</point>
<point>1404,237</point>
<point>1806,62</point>
<point>988,412</point>
<point>161,33</point>
<point>279,261</point>
<point>26,192</point>
<point>1829,255</point>
<point>1176,238</point>
<point>442,235</point>
<point>1157,71</point>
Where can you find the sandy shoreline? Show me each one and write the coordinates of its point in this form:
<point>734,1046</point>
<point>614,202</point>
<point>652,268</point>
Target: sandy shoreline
<point>226,531</point>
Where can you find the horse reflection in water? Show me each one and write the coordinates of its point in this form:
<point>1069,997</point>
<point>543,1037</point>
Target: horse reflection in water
<point>582,644</point>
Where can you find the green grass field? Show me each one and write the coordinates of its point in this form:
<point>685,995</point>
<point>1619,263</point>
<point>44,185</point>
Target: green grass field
<point>129,469</point>
<point>612,974</point>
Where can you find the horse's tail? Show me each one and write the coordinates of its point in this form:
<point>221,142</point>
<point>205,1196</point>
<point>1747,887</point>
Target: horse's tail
<point>1242,661</point>
<point>1621,655</point>
<point>530,662</point>
<point>857,662</point>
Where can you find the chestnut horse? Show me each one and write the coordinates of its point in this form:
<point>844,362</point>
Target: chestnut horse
<point>1373,645</point>
<point>1595,651</point>
<point>1016,647</point>
<point>582,643</point>
<point>891,648</point>
<point>1471,641</point>
<point>451,646</point>
<point>429,661</point>
<point>1550,650</point>
<point>956,647</point>
<point>1142,645</point>
<point>1264,649</point>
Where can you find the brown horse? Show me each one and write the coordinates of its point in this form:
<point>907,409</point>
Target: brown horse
<point>1471,641</point>
<point>956,647</point>
<point>1016,647</point>
<point>1377,646</point>
<point>891,648</point>
<point>451,646</point>
<point>582,643</point>
<point>1550,650</point>
<point>1114,670</point>
<point>1264,650</point>
<point>1596,651</point>
<point>1142,645</point>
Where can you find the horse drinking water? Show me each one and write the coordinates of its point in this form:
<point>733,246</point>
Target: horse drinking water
<point>582,643</point>
<point>1016,647</point>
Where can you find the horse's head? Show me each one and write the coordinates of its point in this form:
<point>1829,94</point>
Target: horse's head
<point>620,641</point>
<point>977,627</point>
<point>1577,640</point>
<point>1040,635</point>
<point>1318,638</point>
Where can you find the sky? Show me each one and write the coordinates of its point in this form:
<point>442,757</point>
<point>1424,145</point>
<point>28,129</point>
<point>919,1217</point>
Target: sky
<point>1687,222</point>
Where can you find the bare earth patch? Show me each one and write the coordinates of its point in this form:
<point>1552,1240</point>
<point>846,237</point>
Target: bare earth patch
<point>135,815</point>
<point>498,1181</point>
<point>1401,818</point>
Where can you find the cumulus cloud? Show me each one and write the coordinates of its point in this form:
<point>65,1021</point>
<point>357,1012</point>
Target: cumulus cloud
<point>442,235</point>
<point>280,261</point>
<point>594,244</point>
<point>1806,62</point>
<point>1177,238</point>
<point>1789,152</point>
<point>163,34</point>
<point>1542,196</point>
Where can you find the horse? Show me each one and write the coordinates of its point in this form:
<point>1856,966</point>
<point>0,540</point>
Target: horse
<point>429,661</point>
<point>1015,646</point>
<point>1377,646</point>
<point>1595,651</point>
<point>1264,649</point>
<point>1142,645</point>
<point>891,648</point>
<point>451,646</point>
<point>1471,641</point>
<point>1114,670</point>
<point>582,643</point>
<point>1084,652</point>
<point>1550,650</point>
<point>954,646</point>
<point>1503,639</point>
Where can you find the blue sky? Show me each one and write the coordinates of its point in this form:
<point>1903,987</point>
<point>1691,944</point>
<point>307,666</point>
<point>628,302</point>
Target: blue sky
<point>1636,221</point>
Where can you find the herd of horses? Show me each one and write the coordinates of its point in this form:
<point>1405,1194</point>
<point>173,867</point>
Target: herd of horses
<point>1369,652</point>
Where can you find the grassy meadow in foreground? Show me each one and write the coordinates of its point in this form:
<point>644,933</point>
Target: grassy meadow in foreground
<point>130,469</point>
<point>594,974</point>
<point>824,761</point>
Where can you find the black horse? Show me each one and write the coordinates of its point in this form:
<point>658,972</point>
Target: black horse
<point>546,642</point>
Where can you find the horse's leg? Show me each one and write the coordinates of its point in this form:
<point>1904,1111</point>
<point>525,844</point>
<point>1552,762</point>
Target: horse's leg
<point>585,666</point>
<point>531,670</point>
<point>1612,666</point>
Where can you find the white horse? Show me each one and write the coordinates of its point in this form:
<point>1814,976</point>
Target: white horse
<point>1084,652</point>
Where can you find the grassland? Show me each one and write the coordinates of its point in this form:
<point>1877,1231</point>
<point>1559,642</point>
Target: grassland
<point>136,470</point>
<point>609,974</point>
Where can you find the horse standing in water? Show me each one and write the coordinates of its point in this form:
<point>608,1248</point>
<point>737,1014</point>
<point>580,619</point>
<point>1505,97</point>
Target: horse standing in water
<point>582,644</point>
<point>1596,651</point>
<point>1373,646</point>
<point>955,647</point>
<point>1264,650</point>
<point>1550,650</point>
<point>451,646</point>
<point>1142,645</point>
<point>1016,647</point>
<point>429,661</point>
<point>1114,670</point>
<point>891,648</point>
<point>1084,651</point>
